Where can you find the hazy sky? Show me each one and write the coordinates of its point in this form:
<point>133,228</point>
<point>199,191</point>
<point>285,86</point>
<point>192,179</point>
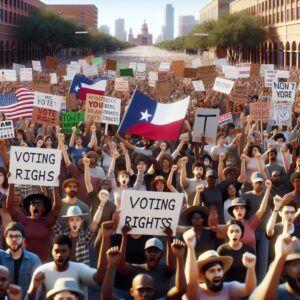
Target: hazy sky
<point>136,11</point>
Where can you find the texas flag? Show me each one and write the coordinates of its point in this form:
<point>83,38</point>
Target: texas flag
<point>156,121</point>
<point>97,88</point>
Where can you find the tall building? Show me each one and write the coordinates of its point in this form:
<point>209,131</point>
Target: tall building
<point>168,33</point>
<point>142,39</point>
<point>282,46</point>
<point>104,29</point>
<point>11,13</point>
<point>120,32</point>
<point>213,8</point>
<point>85,14</point>
<point>185,24</point>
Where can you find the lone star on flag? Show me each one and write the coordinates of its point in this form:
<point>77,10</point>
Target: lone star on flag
<point>145,115</point>
<point>77,88</point>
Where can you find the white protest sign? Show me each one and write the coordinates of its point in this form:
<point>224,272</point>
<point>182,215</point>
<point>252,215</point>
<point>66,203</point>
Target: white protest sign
<point>150,213</point>
<point>74,67</point>
<point>34,166</point>
<point>18,67</point>
<point>53,78</point>
<point>140,73</point>
<point>196,63</point>
<point>112,111</point>
<point>244,70</point>
<point>206,123</point>
<point>152,78</point>
<point>219,62</point>
<point>90,70</point>
<point>36,65</point>
<point>281,114</point>
<point>83,62</point>
<point>8,75</point>
<point>283,91</point>
<point>198,85</point>
<point>283,74</point>
<point>266,67</point>
<point>132,65</point>
<point>48,101</point>
<point>223,85</point>
<point>230,72</point>
<point>110,74</point>
<point>141,67</point>
<point>70,74</point>
<point>270,77</point>
<point>164,67</point>
<point>7,130</point>
<point>26,74</point>
<point>121,84</point>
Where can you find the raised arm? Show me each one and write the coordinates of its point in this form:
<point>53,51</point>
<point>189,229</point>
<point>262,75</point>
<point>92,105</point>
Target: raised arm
<point>170,259</point>
<point>126,143</point>
<point>221,176</point>
<point>264,202</point>
<point>247,144</point>
<point>242,176</point>
<point>179,147</point>
<point>284,159</point>
<point>87,174</point>
<point>93,142</point>
<point>10,199</point>
<point>260,164</point>
<point>72,139</point>
<point>183,180</point>
<point>197,198</point>
<point>3,154</point>
<point>272,221</point>
<point>235,141</point>
<point>127,159</point>
<point>57,204</point>
<point>62,147</point>
<point>163,148</point>
<point>124,267</point>
<point>170,179</point>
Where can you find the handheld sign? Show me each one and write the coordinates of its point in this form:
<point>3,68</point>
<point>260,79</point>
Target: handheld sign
<point>283,91</point>
<point>34,166</point>
<point>150,212</point>
<point>48,101</point>
<point>223,85</point>
<point>7,130</point>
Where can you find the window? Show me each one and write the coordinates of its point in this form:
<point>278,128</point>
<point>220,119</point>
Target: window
<point>10,17</point>
<point>287,15</point>
<point>278,17</point>
<point>293,14</point>
<point>298,12</point>
<point>282,16</point>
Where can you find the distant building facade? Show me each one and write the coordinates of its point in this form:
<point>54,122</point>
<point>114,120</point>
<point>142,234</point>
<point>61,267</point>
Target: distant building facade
<point>168,33</point>
<point>185,24</point>
<point>142,39</point>
<point>104,29</point>
<point>213,8</point>
<point>120,32</point>
<point>85,14</point>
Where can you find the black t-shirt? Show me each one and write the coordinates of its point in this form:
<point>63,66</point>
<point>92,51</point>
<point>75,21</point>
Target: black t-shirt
<point>237,270</point>
<point>17,265</point>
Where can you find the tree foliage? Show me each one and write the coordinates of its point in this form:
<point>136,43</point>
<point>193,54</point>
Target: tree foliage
<point>232,32</point>
<point>53,32</point>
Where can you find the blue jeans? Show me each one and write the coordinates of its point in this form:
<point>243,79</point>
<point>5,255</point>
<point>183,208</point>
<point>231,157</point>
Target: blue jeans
<point>262,251</point>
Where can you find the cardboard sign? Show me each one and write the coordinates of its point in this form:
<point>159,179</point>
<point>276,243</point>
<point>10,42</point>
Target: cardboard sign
<point>207,74</point>
<point>239,93</point>
<point>225,119</point>
<point>178,68</point>
<point>7,130</point>
<point>162,76</point>
<point>97,61</point>
<point>198,85</point>
<point>190,73</point>
<point>71,119</point>
<point>196,63</point>
<point>260,111</point>
<point>126,72</point>
<point>152,78</point>
<point>164,67</point>
<point>90,70</point>
<point>270,77</point>
<point>34,166</point>
<point>162,88</point>
<point>41,87</point>
<point>281,114</point>
<point>223,86</point>
<point>61,70</point>
<point>41,78</point>
<point>283,91</point>
<point>254,70</point>
<point>47,101</point>
<point>206,123</point>
<point>51,62</point>
<point>26,74</point>
<point>53,78</point>
<point>111,64</point>
<point>150,212</point>
<point>121,84</point>
<point>36,65</point>
<point>71,102</point>
<point>45,116</point>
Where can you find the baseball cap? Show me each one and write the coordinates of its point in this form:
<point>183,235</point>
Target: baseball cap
<point>212,173</point>
<point>154,242</point>
<point>256,177</point>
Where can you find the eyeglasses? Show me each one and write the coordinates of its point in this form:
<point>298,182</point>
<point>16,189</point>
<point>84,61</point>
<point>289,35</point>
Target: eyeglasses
<point>16,237</point>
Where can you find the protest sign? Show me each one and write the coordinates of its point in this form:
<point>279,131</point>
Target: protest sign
<point>53,78</point>
<point>283,91</point>
<point>260,111</point>
<point>133,65</point>
<point>81,62</point>
<point>8,75</point>
<point>51,62</point>
<point>152,78</point>
<point>126,72</point>
<point>225,119</point>
<point>162,75</point>
<point>244,70</point>
<point>26,74</point>
<point>71,101</point>
<point>90,70</point>
<point>206,123</point>
<point>70,74</point>
<point>45,116</point>
<point>36,65</point>
<point>41,78</point>
<point>254,70</point>
<point>190,73</point>
<point>111,64</point>
<point>110,74</point>
<point>7,130</point>
<point>34,166</point>
<point>164,67</point>
<point>198,85</point>
<point>178,68</point>
<point>61,70</point>
<point>196,63</point>
<point>49,101</point>
<point>112,111</point>
<point>121,84</point>
<point>219,62</point>
<point>270,77</point>
<point>281,114</point>
<point>150,213</point>
<point>97,61</point>
<point>74,68</point>
<point>230,72</point>
<point>223,85</point>
<point>41,87</point>
<point>120,66</point>
<point>162,88</point>
<point>207,74</point>
<point>266,67</point>
<point>283,74</point>
<point>94,108</point>
<point>239,93</point>
<point>18,67</point>
<point>71,119</point>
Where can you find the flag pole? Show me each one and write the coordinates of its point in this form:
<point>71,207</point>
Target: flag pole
<point>127,109</point>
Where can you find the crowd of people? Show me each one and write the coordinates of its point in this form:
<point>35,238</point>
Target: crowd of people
<point>238,231</point>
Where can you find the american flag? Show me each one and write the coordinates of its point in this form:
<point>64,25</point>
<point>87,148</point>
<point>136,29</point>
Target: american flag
<point>18,104</point>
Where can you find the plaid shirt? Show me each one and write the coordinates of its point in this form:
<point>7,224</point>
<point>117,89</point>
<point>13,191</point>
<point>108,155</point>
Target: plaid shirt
<point>82,242</point>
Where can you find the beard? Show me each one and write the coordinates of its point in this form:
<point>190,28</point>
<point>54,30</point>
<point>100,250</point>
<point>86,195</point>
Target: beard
<point>293,283</point>
<point>16,249</point>
<point>213,287</point>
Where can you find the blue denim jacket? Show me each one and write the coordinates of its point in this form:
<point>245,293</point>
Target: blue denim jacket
<point>29,263</point>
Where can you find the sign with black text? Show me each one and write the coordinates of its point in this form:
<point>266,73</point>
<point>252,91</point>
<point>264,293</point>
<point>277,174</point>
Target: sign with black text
<point>7,130</point>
